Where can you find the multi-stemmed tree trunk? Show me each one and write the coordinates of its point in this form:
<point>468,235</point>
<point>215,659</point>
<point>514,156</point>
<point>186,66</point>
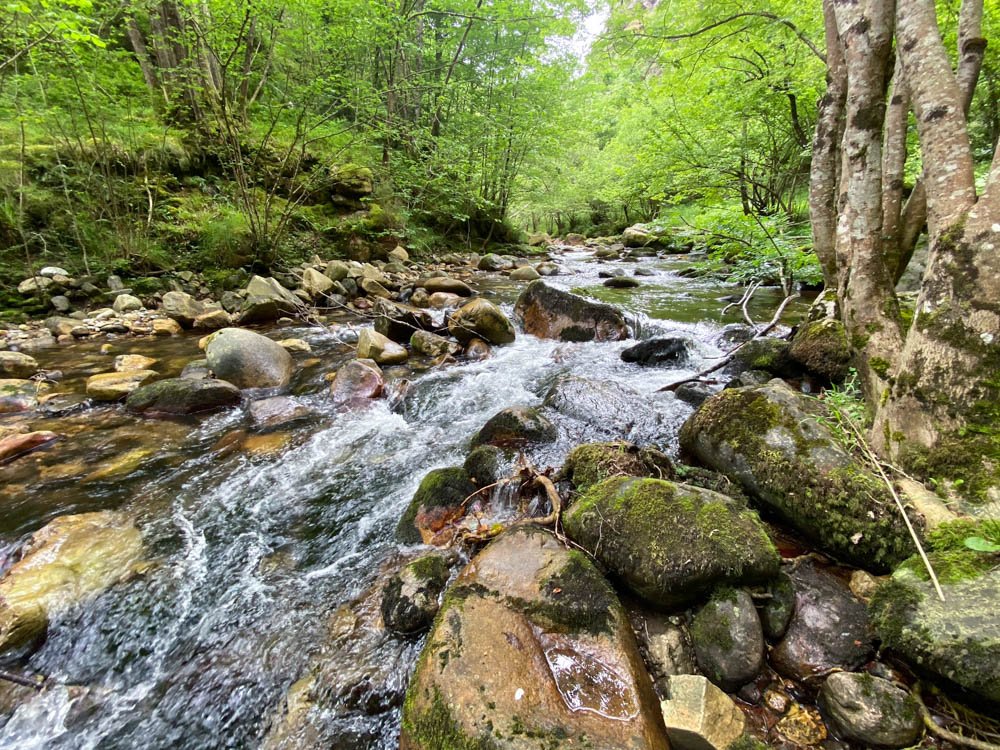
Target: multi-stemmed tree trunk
<point>934,383</point>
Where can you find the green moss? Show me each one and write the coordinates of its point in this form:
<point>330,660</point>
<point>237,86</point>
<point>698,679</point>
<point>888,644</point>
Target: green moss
<point>436,727</point>
<point>951,559</point>
<point>440,488</point>
<point>747,742</point>
<point>891,607</point>
<point>430,567</point>
<point>578,598</point>
<point>879,366</point>
<point>589,464</point>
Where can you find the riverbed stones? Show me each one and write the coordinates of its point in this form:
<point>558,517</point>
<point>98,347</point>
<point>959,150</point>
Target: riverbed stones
<point>591,463</point>
<point>410,598</point>
<point>67,561</point>
<point>277,412</point>
<point>213,320</point>
<point>373,345</point>
<point>17,365</point>
<point>493,262</point>
<point>166,327</point>
<point>870,711</point>
<point>606,406</point>
<point>445,285</point>
<point>622,282</point>
<point>357,382</point>
<point>430,344</point>
<point>248,360</point>
<point>126,303</point>
<point>830,629</point>
<point>267,300</point>
<point>177,396</point>
<point>957,640</point>
<point>480,318</point>
<point>822,348</point>
<point>728,639</point>
<point>670,543</point>
<point>316,283</point>
<point>130,362</point>
<point>398,321</point>
<point>774,442</point>
<point>181,307</point>
<point>661,350</point>
<point>17,395</point>
<point>115,386</point>
<point>531,649</point>
<point>516,427</point>
<point>551,313</point>
<point>436,503</point>
<point>699,716</point>
<point>524,273</point>
<point>18,444</point>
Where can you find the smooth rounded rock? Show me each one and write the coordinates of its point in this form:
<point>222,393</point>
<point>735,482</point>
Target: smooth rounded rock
<point>547,312</point>
<point>248,360</point>
<point>17,365</point>
<point>410,598</point>
<point>515,427</point>
<point>728,639</point>
<point>481,319</point>
<point>870,711</point>
<point>175,396</point>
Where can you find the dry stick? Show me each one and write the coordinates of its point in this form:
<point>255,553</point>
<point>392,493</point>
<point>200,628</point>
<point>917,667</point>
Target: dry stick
<point>35,684</point>
<point>729,356</point>
<point>946,734</point>
<point>746,301</point>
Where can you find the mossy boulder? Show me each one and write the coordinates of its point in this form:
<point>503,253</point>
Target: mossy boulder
<point>516,427</point>
<point>481,319</point>
<point>670,543</point>
<point>437,501</point>
<point>776,444</point>
<point>531,650</point>
<point>589,464</point>
<point>957,641</point>
<point>728,639</point>
<point>410,598</point>
<point>551,313</point>
<point>822,348</point>
<point>176,396</point>
<point>767,354</point>
<point>870,711</point>
<point>487,463</point>
<point>64,563</point>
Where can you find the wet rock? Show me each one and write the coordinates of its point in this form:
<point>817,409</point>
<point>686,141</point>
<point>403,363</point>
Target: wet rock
<point>410,598</point>
<point>767,354</point>
<point>802,726</point>
<point>130,362</point>
<point>196,369</point>
<point>17,395</point>
<point>14,446</point>
<point>589,464</point>
<point>315,283</point>
<point>622,282</point>
<point>481,319</point>
<point>670,543</point>
<point>127,303</point>
<point>699,716</point>
<point>357,382</point>
<point>776,612</point>
<point>336,270</point>
<point>175,396</point>
<point>666,646</point>
<point>641,235</point>
<point>374,288</point>
<point>524,273</point>
<point>477,349</point>
<point>181,307</point>
<point>431,345</point>
<point>277,412</point>
<point>61,326</point>
<point>166,327</point>
<point>531,649</point>
<point>658,351</point>
<point>436,503</point>
<point>516,427</point>
<point>728,639</point>
<point>114,386</point>
<point>749,378</point>
<point>17,366</point>
<point>547,269</point>
<point>67,561</point>
<point>957,640</point>
<point>487,464</point>
<point>267,300</point>
<point>445,285</point>
<point>248,360</point>
<point>551,313</point>
<point>830,629</point>
<point>605,405</point>
<point>774,442</point>
<point>694,393</point>
<point>399,322</point>
<point>297,346</point>
<point>493,262</point>
<point>213,320</point>
<point>374,346</point>
<point>870,710</point>
<point>822,348</point>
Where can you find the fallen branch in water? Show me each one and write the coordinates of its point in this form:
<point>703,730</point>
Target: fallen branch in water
<point>35,683</point>
<point>946,734</point>
<point>732,352</point>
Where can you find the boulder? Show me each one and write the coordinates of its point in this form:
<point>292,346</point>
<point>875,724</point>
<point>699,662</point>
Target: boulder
<point>606,406</point>
<point>639,235</point>
<point>248,360</point>
<point>51,271</point>
<point>13,446</point>
<point>776,444</point>
<point>127,303</point>
<point>728,639</point>
<point>267,300</point>
<point>114,386</point>
<point>870,711</point>
<point>829,629</point>
<point>175,396</point>
<point>336,270</point>
<point>657,351</point>
<point>67,561</point>
<point>666,647</point>
<point>315,283</point>
<point>277,412</point>
<point>398,321</point>
<point>16,365</point>
<point>410,598</point>
<point>437,501</point>
<point>822,348</point>
<point>670,543</point>
<point>17,395</point>
<point>531,649</point>
<point>622,282</point>
<point>130,362</point>
<point>181,307</point>
<point>699,716</point>
<point>373,345</point>
<point>487,464</point>
<point>776,611</point>
<point>481,319</point>
<point>431,345</point>
<point>213,320</point>
<point>516,427</point>
<point>525,273</point>
<point>768,354</point>
<point>589,464</point>
<point>445,285</point>
<point>34,285</point>
<point>551,313</point>
<point>375,288</point>
<point>357,382</point>
<point>166,327</point>
<point>493,262</point>
<point>61,326</point>
<point>694,393</point>
<point>547,269</point>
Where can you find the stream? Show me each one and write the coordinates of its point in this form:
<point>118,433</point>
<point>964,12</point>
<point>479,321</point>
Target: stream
<point>255,540</point>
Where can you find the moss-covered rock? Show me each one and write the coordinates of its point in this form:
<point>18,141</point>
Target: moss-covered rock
<point>516,427</point>
<point>822,348</point>
<point>480,318</point>
<point>410,598</point>
<point>531,650</point>
<point>589,464</point>
<point>670,543</point>
<point>182,396</point>
<point>487,464</point>
<point>551,313</point>
<point>870,711</point>
<point>768,354</point>
<point>728,639</point>
<point>437,501</point>
<point>775,443</point>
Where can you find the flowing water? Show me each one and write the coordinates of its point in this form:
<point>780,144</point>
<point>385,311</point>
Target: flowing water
<point>256,540</point>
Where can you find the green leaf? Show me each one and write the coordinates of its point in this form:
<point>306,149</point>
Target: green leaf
<point>979,544</point>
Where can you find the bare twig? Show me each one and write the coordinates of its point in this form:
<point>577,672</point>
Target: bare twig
<point>946,734</point>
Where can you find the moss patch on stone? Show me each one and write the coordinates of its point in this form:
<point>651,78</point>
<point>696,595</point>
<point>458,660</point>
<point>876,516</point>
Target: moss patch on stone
<point>951,558</point>
<point>589,464</point>
<point>440,488</point>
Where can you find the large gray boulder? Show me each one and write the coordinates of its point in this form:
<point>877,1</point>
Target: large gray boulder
<point>248,360</point>
<point>266,300</point>
<point>776,444</point>
<point>670,543</point>
<point>870,711</point>
<point>551,313</point>
<point>182,307</point>
<point>605,405</point>
<point>176,396</point>
<point>481,319</point>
